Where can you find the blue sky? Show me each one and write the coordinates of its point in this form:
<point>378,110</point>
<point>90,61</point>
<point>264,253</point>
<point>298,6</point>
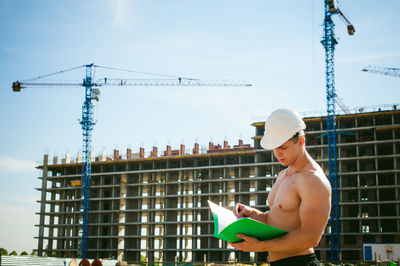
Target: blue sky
<point>275,45</point>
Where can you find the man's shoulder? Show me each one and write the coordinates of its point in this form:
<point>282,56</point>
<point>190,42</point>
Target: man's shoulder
<point>314,170</point>
<point>313,178</point>
<point>313,186</point>
<point>317,173</point>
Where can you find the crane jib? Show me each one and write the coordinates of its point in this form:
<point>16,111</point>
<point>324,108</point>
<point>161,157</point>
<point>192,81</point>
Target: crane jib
<point>87,123</point>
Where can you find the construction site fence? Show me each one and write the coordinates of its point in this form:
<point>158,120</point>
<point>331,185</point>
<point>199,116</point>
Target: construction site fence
<point>43,261</point>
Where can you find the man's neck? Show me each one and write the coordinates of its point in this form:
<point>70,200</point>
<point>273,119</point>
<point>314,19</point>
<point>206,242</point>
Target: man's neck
<point>300,163</point>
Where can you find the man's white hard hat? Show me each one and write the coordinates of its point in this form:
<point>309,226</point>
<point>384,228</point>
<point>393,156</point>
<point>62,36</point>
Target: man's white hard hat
<point>280,126</point>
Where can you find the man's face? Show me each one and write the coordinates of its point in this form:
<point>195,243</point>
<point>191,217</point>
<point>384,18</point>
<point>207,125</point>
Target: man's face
<point>287,152</point>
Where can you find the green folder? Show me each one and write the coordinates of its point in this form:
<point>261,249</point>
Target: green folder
<point>227,226</point>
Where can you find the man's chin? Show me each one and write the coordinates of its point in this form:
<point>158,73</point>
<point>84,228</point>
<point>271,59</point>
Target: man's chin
<point>284,163</point>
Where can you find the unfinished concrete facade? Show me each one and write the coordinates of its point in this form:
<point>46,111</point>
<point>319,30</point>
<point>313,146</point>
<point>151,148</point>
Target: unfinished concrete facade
<point>156,206</point>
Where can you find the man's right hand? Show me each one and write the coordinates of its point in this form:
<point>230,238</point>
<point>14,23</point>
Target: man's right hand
<point>243,210</point>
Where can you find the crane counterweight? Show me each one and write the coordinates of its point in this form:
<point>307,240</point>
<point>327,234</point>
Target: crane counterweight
<point>350,29</point>
<point>16,86</point>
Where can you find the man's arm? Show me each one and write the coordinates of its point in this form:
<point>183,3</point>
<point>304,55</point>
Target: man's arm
<point>314,211</point>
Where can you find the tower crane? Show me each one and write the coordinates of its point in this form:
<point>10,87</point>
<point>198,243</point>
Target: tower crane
<point>341,104</point>
<point>329,42</point>
<point>388,71</point>
<point>87,122</point>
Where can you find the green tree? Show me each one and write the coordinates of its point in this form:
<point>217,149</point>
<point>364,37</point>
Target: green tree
<point>143,261</point>
<point>24,253</point>
<point>45,253</point>
<point>34,253</point>
<point>3,251</point>
<point>13,253</point>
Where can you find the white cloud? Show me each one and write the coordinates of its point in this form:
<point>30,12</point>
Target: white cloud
<point>123,11</point>
<point>16,165</point>
<point>17,228</point>
<point>23,199</point>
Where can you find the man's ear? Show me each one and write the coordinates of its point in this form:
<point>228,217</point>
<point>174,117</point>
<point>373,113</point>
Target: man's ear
<point>302,140</point>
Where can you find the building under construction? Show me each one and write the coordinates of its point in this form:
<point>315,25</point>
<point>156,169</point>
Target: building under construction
<point>155,207</point>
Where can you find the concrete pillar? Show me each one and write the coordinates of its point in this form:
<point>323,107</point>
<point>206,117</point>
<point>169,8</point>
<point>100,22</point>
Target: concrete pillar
<point>42,206</point>
<point>116,154</point>
<point>154,153</point>
<point>210,146</point>
<point>51,220</point>
<point>168,152</point>
<point>122,217</point>
<point>196,148</point>
<point>226,145</point>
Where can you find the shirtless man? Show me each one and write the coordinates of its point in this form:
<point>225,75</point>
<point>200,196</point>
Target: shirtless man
<point>300,200</point>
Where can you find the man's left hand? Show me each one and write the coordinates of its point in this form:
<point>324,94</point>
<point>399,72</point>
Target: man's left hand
<point>249,244</point>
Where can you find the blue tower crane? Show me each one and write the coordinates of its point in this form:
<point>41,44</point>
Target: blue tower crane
<point>329,41</point>
<point>87,122</point>
<point>388,71</point>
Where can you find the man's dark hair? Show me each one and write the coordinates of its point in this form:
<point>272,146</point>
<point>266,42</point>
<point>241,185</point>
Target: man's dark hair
<point>297,136</point>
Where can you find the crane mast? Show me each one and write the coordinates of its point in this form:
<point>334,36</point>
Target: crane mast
<point>329,43</point>
<point>87,123</point>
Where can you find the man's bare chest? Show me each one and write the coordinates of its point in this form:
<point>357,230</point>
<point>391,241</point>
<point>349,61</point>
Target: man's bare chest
<point>283,195</point>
